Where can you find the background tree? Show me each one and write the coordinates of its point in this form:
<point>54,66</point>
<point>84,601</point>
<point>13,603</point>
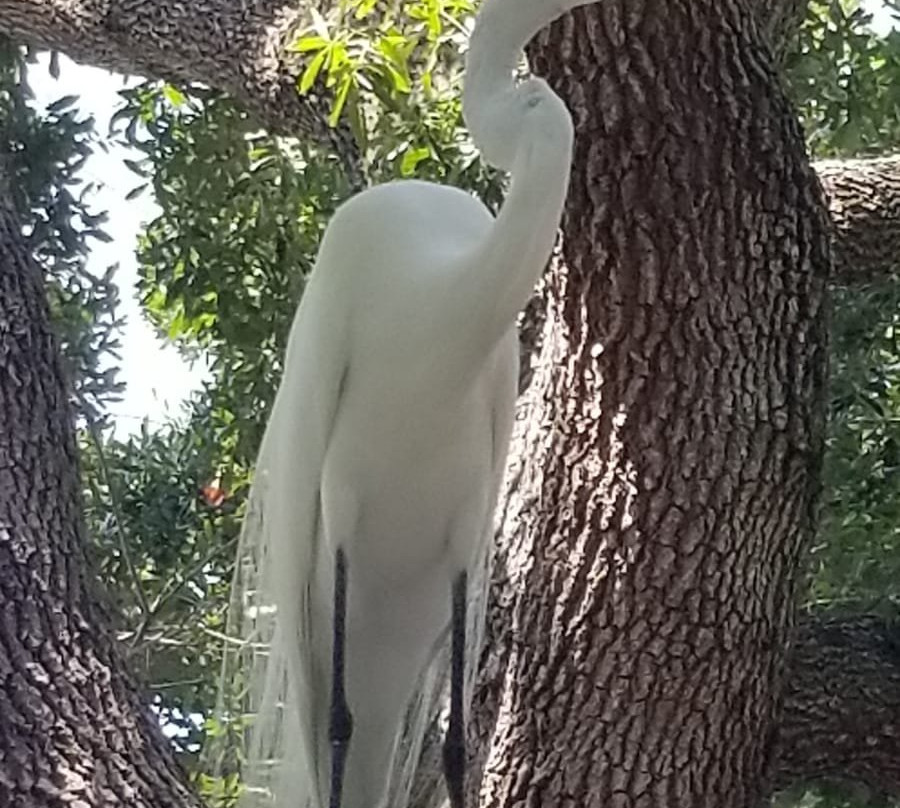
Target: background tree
<point>537,540</point>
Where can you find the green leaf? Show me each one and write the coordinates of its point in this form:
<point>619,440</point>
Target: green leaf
<point>312,71</point>
<point>357,121</point>
<point>340,99</point>
<point>100,235</point>
<point>401,81</point>
<point>137,166</point>
<point>364,8</point>
<point>411,160</point>
<point>310,43</point>
<point>174,96</point>
<point>62,103</point>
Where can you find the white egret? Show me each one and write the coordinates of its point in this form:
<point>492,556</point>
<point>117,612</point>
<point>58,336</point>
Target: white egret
<point>379,470</point>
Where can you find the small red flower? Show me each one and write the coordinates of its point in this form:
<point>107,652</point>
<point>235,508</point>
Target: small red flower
<point>213,494</point>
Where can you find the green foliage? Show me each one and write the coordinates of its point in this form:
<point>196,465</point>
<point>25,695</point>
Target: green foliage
<point>224,264</point>
<point>845,81</point>
<point>396,72</point>
<point>856,560</point>
<point>163,509</point>
<point>41,157</point>
<point>828,795</point>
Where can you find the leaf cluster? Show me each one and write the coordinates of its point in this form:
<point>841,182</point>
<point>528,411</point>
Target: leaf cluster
<point>396,73</point>
<point>223,265</point>
<point>42,156</point>
<point>164,516</point>
<point>845,80</point>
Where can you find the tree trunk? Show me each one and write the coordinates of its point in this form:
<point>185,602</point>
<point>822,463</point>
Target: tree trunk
<point>73,729</point>
<point>780,22</point>
<point>667,464</point>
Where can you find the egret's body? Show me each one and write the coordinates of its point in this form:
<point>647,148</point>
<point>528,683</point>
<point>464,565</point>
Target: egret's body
<point>403,475</point>
<point>397,459</point>
<point>381,463</point>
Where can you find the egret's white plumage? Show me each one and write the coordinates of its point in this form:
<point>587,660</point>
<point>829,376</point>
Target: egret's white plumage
<point>388,439</point>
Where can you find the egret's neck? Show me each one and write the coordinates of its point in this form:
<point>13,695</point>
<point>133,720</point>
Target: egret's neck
<point>526,130</point>
<point>494,117</point>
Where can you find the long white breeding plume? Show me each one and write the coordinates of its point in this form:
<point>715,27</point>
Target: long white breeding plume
<point>371,514</point>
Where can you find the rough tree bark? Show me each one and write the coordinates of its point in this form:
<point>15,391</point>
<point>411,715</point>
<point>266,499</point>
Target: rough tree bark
<point>668,460</point>
<point>779,21</point>
<point>74,731</point>
<point>864,199</point>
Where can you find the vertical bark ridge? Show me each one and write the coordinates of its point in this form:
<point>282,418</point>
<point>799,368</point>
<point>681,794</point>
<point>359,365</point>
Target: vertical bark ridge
<point>670,445</point>
<point>74,731</point>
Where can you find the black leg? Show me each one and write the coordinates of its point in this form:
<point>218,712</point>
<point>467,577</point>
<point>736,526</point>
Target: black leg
<point>341,725</point>
<point>455,742</point>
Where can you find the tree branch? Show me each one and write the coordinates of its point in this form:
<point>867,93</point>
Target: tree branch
<point>230,45</point>
<point>842,704</point>
<point>864,199</point>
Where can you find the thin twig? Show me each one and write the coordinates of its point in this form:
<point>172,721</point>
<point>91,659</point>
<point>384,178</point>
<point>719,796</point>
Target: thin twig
<point>115,507</point>
<point>228,639</point>
<point>169,591</point>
